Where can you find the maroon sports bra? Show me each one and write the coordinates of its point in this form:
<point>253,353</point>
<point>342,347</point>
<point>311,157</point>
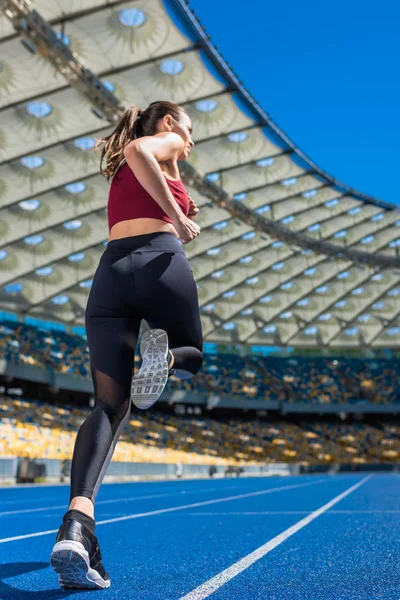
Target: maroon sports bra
<point>129,200</point>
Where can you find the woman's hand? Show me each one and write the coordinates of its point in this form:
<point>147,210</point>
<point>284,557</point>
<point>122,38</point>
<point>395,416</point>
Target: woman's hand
<point>186,228</point>
<point>193,209</point>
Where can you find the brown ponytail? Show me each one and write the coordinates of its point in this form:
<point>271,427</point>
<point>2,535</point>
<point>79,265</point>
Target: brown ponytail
<point>134,123</point>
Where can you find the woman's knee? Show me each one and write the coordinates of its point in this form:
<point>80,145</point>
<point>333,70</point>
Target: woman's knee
<point>187,361</point>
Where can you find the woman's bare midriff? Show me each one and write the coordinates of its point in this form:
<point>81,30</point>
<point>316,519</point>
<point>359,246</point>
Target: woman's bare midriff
<point>139,227</point>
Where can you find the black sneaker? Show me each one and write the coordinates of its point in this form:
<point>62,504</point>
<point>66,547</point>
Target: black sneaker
<point>76,557</point>
<point>149,382</point>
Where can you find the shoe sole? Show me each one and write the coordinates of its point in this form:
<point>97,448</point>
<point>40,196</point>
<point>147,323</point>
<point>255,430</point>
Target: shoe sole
<point>70,561</point>
<point>149,382</point>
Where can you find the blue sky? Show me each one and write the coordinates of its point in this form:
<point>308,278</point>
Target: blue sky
<point>326,73</point>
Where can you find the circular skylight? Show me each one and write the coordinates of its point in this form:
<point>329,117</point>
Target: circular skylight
<point>309,194</point>
<point>220,225</point>
<point>60,300</point>
<point>252,280</point>
<point>352,331</point>
<point>206,106</point>
<point>29,205</point>
<point>86,284</point>
<point>355,210</point>
<point>171,67</point>
<point>395,292</point>
<point>358,291</point>
<point>311,330</point>
<point>13,288</point>
<point>289,182</point>
<point>246,312</point>
<point>218,274</point>
<point>393,331</point>
<point>270,329</point>
<point>213,177</point>
<point>325,317</point>
<point>132,17</point>
<point>287,286</point>
<point>322,289</point>
<point>209,307</point>
<point>34,240</point>
<point>278,266</point>
<point>78,257</point>
<point>314,227</point>
<point>278,244</point>
<point>249,236</point>
<point>367,239</point>
<point>340,234</point>
<point>364,318</point>
<point>229,326</point>
<point>85,143</point>
<point>243,196</point>
<point>72,225</point>
<point>229,294</point>
<point>310,271</point>
<point>3,254</point>
<point>213,251</point>
<point>44,271</point>
<point>265,299</point>
<point>288,219</point>
<point>32,162</point>
<point>246,260</point>
<point>286,315</point>
<point>238,136</point>
<point>378,217</point>
<point>38,109</point>
<point>75,188</point>
<point>343,275</point>
<point>109,85</point>
<point>331,203</point>
<point>63,38</point>
<point>378,305</point>
<point>265,162</point>
<point>263,209</point>
<point>303,302</point>
<point>341,304</point>
<point>394,243</point>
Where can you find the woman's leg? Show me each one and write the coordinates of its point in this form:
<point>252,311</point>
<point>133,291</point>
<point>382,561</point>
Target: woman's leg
<point>112,343</point>
<point>167,295</point>
<point>112,326</point>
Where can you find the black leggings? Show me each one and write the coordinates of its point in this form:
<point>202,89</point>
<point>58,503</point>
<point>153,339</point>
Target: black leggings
<point>141,277</point>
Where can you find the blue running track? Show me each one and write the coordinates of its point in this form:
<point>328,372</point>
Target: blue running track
<point>293,538</point>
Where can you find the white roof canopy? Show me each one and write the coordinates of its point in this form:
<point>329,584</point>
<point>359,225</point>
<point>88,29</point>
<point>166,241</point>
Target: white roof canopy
<point>253,288</point>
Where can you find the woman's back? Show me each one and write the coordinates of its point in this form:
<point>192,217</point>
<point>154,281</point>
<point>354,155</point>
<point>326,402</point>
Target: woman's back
<point>128,200</point>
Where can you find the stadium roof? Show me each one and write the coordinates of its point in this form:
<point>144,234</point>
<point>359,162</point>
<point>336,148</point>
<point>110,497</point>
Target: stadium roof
<point>287,254</point>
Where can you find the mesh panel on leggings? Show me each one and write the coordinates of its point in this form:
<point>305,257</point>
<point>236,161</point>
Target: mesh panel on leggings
<point>98,435</point>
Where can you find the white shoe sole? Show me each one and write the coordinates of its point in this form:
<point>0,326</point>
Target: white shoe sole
<point>71,561</point>
<point>149,383</point>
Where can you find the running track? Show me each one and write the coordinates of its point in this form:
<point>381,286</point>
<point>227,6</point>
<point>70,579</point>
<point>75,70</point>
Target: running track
<point>292,538</point>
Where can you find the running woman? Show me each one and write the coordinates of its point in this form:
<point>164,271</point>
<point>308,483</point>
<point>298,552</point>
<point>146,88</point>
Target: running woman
<point>143,274</point>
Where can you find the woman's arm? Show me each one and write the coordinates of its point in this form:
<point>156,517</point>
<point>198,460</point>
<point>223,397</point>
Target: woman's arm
<point>144,155</point>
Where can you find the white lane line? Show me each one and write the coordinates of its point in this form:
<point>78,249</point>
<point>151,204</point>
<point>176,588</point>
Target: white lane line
<point>262,512</point>
<point>213,584</point>
<point>174,508</point>
<point>121,500</point>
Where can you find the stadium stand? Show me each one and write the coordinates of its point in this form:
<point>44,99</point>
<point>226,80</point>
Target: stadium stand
<point>316,380</point>
<point>39,430</point>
